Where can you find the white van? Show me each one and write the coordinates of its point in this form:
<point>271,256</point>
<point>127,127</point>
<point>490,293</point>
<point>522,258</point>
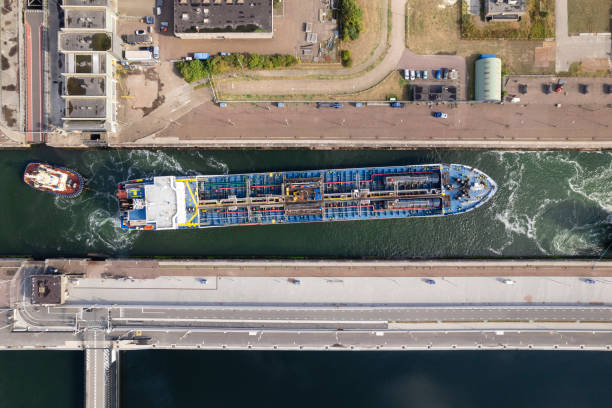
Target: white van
<point>158,11</point>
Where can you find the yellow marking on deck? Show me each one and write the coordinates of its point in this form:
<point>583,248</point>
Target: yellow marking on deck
<point>196,212</point>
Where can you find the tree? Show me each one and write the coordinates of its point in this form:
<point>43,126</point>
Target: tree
<point>351,20</point>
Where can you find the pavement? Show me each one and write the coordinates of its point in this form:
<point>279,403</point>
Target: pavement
<point>266,323</point>
<point>577,48</point>
<point>482,126</point>
<point>410,60</point>
<point>594,97</point>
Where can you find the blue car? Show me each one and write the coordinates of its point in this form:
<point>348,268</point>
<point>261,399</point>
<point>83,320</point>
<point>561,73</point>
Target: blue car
<point>589,281</point>
<point>438,74</point>
<point>397,105</point>
<point>429,281</point>
<point>334,105</point>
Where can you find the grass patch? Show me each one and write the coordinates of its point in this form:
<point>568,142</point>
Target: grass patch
<point>393,85</point>
<point>203,85</point>
<point>437,30</point>
<point>367,43</point>
<point>575,70</point>
<point>589,16</point>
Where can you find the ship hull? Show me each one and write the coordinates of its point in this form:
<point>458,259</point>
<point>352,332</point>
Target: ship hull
<point>55,180</point>
<point>208,201</point>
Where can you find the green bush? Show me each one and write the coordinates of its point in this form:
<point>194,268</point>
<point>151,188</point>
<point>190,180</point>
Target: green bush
<point>219,64</point>
<point>351,20</point>
<point>346,58</point>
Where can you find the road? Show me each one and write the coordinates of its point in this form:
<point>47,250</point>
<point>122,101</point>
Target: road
<point>483,126</point>
<point>34,62</point>
<point>544,319</point>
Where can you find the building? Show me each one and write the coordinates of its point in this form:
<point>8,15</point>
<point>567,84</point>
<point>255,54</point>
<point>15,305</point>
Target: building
<point>223,19</point>
<point>88,45</point>
<point>504,10</point>
<point>48,289</point>
<point>488,78</point>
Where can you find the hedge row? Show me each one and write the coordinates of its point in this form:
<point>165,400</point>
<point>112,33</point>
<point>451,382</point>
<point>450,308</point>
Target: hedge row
<point>219,64</point>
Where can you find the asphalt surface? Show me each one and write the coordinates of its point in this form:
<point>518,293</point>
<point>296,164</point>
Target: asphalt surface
<point>491,126</point>
<point>99,326</point>
<point>34,62</point>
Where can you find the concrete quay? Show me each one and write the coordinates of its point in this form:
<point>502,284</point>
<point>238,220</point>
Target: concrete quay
<point>300,305</point>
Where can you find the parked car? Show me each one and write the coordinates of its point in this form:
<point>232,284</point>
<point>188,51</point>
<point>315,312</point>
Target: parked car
<point>588,280</point>
<point>429,281</point>
<point>546,88</point>
<point>440,115</point>
<point>158,11</point>
<point>445,73</point>
<point>607,88</point>
<point>155,51</point>
<point>583,88</point>
<point>418,74</point>
<point>334,105</point>
<point>507,281</point>
<point>412,75</point>
<point>425,74</point>
<point>437,74</point>
<point>140,32</point>
<point>224,54</point>
<point>150,19</point>
<point>397,105</point>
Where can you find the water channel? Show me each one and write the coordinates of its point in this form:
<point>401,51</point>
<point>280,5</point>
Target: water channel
<point>549,204</point>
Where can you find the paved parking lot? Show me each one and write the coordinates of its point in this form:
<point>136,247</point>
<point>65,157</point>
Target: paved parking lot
<point>573,93</point>
<point>414,61</point>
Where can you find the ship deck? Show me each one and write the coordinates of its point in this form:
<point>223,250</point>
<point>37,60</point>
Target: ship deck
<point>306,196</point>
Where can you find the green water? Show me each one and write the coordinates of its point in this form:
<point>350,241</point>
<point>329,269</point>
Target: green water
<point>45,379</point>
<point>548,204</point>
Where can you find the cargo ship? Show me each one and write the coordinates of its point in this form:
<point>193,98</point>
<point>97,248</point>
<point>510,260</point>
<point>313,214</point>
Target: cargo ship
<point>204,201</point>
<point>53,179</point>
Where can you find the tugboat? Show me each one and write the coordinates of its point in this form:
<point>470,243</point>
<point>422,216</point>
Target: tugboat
<point>53,179</point>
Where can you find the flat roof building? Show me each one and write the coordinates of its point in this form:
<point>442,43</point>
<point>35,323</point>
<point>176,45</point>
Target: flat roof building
<point>87,40</point>
<point>488,78</point>
<point>210,19</point>
<point>504,10</point>
<point>84,18</point>
<point>48,289</point>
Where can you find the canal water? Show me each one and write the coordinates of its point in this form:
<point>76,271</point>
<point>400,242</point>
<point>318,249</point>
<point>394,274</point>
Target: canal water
<point>279,379</point>
<point>549,204</point>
